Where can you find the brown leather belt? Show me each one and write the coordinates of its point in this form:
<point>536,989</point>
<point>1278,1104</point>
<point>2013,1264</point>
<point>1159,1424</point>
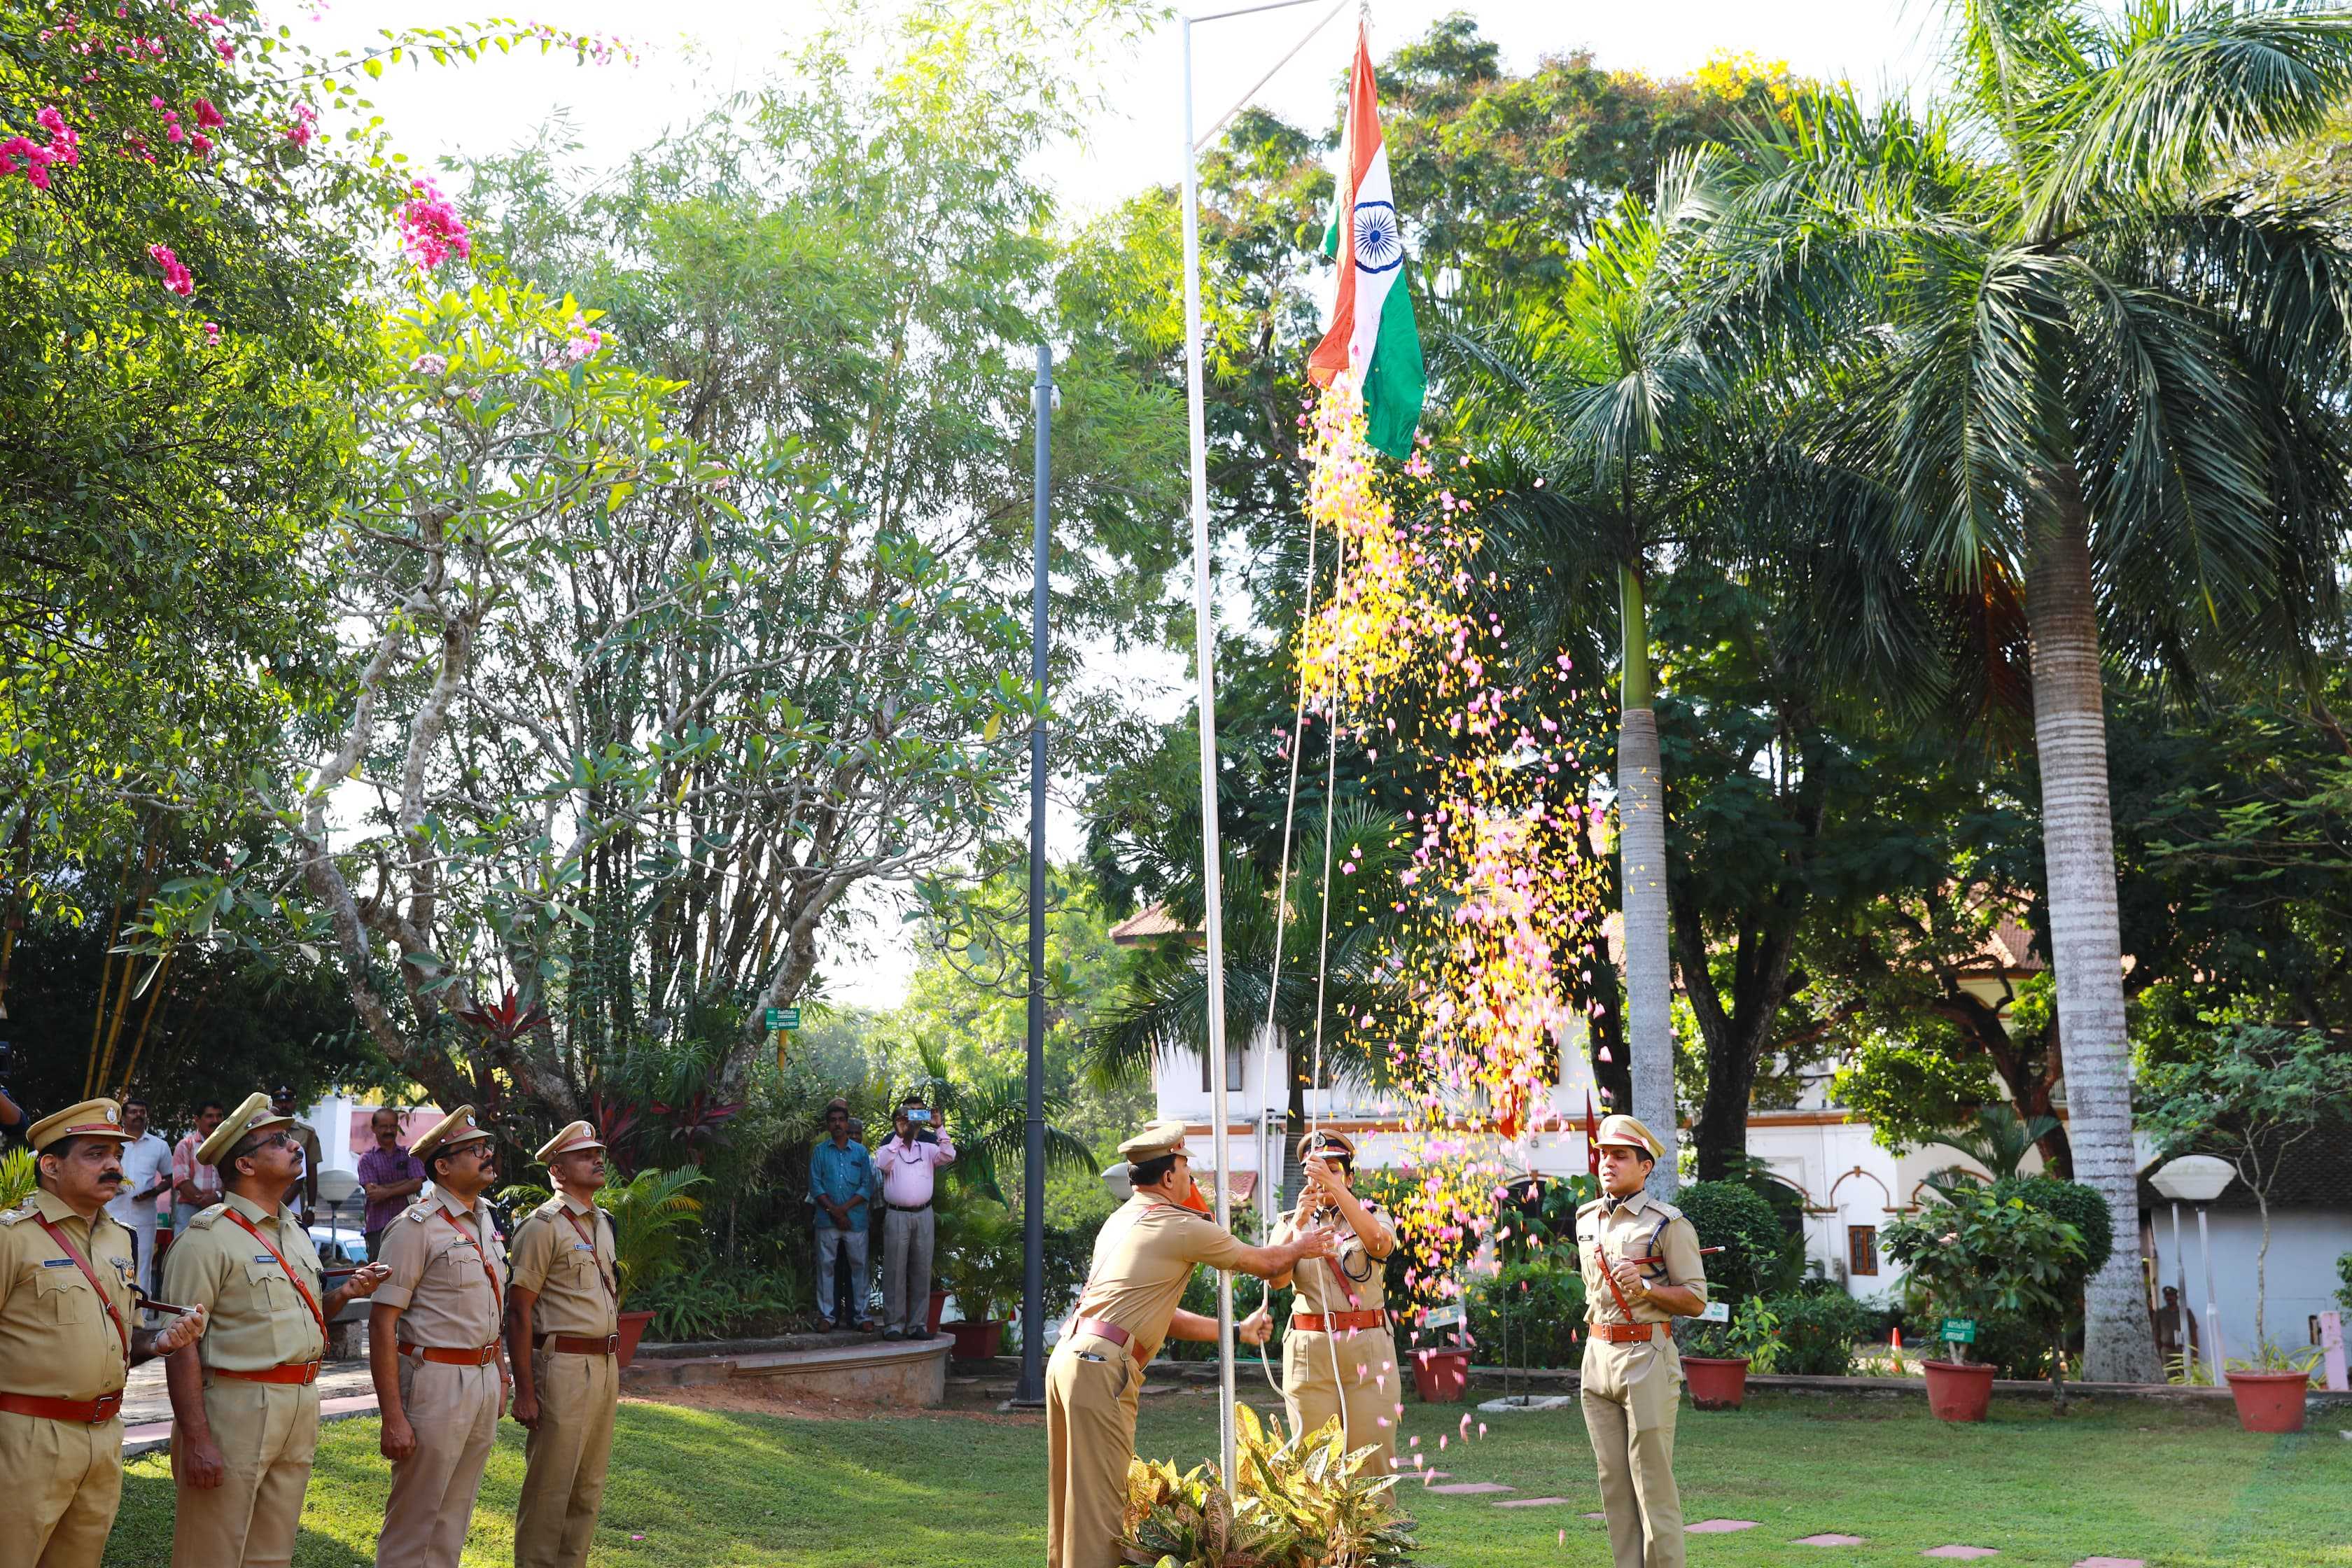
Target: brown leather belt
<point>73,1412</point>
<point>577,1344</point>
<point>1624,1333</point>
<point>295,1372</point>
<point>482,1357</point>
<point>1332,1322</point>
<point>1101,1330</point>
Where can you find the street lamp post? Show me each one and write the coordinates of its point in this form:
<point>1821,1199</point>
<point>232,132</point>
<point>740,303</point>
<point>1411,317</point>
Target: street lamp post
<point>2198,1179</point>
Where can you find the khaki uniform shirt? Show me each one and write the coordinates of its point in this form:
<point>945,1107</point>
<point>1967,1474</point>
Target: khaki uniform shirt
<point>438,1277</point>
<point>1320,1285</point>
<point>571,1273</point>
<point>1144,1256</point>
<point>56,1339</point>
<point>258,1319</point>
<point>1641,1226</point>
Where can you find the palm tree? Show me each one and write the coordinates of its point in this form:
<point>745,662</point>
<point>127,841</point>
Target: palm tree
<point>2093,356</point>
<point>1590,406</point>
<point>1997,1138</point>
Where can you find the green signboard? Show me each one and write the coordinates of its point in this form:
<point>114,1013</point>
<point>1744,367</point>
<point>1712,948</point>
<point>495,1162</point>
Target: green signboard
<point>783,1017</point>
<point>1959,1331</point>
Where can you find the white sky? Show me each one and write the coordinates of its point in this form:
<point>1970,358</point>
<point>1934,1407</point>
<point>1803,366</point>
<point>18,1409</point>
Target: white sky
<point>709,47</point>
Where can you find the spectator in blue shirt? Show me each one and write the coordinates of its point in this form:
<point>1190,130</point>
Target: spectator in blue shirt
<point>841,1186</point>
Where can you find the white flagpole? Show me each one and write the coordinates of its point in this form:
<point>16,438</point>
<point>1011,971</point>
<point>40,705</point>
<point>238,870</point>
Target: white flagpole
<point>1205,659</point>
<point>1204,634</point>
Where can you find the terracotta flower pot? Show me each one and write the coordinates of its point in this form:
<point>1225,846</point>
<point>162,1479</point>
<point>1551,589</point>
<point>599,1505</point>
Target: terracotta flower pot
<point>1958,1392</point>
<point>1717,1383</point>
<point>2270,1400</point>
<point>632,1326</point>
<point>1438,1376</point>
<point>977,1341</point>
<point>939,1305</point>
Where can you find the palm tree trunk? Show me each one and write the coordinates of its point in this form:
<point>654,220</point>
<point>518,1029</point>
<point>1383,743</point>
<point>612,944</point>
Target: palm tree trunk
<point>2078,850</point>
<point>1642,841</point>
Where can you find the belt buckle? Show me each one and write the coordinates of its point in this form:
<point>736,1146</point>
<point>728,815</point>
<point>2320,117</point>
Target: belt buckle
<point>105,1409</point>
<point>611,1344</point>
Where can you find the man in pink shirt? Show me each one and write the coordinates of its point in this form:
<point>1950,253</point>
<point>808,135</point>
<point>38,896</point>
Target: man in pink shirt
<point>904,1168</point>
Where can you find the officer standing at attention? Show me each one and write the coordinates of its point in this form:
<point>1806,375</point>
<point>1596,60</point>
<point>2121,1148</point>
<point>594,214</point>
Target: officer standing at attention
<point>1339,1353</point>
<point>245,1399</point>
<point>432,1346</point>
<point>1641,1269</point>
<point>563,1334</point>
<point>67,1344</point>
<point>1143,1257</point>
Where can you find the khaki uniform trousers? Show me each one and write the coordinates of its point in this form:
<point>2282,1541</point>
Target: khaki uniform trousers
<point>566,1455</point>
<point>1365,1380</point>
<point>1092,1389</point>
<point>1630,1395</point>
<point>455,1413</point>
<point>268,1433</point>
<point>64,1481</point>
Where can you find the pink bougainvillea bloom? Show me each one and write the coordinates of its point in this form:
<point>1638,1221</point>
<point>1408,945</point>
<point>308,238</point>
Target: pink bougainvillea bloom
<point>208,116</point>
<point>176,277</point>
<point>430,230</point>
<point>300,132</point>
<point>429,364</point>
<point>212,334</point>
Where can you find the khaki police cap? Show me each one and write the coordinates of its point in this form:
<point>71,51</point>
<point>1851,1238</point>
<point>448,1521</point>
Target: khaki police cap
<point>90,1119</point>
<point>1160,1138</point>
<point>451,1130</point>
<point>256,1115</point>
<point>1320,1142</point>
<point>1625,1133</point>
<point>571,1141</point>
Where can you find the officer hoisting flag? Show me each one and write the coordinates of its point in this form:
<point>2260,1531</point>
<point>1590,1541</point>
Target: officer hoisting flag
<point>1371,330</point>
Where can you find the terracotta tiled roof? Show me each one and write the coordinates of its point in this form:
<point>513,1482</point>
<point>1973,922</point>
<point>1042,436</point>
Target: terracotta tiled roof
<point>1150,924</point>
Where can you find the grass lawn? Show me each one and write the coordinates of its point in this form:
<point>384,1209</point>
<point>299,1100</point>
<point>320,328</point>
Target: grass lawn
<point>696,1487</point>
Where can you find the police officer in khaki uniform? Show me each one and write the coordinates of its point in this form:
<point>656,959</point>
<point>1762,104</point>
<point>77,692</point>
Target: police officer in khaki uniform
<point>1143,1257</point>
<point>432,1345</point>
<point>564,1305</point>
<point>1641,1269</point>
<point>68,1311</point>
<point>1339,1356</point>
<point>245,1401</point>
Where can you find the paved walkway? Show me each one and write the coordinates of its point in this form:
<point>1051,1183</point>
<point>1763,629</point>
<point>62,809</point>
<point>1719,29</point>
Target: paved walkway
<point>344,1390</point>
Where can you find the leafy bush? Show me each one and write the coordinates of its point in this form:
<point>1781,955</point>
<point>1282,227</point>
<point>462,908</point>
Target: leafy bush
<point>2078,1205</point>
<point>1753,1336</point>
<point>1201,1296</point>
<point>712,1299</point>
<point>980,1259</point>
<point>2344,1272</point>
<point>653,1215</point>
<point>1758,1256</point>
<point>1977,1255</point>
<point>1301,1503</point>
<point>1419,1270</point>
<point>16,1168</point>
<point>1527,1312</point>
<point>1819,1330</point>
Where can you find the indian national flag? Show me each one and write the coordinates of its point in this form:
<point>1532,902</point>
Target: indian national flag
<point>1372,332</point>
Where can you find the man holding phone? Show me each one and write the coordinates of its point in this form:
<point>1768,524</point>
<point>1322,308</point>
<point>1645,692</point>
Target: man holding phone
<point>904,1169</point>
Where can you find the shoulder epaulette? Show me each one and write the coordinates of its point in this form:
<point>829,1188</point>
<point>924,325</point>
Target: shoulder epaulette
<point>420,1213</point>
<point>1666,1209</point>
<point>21,1213</point>
<point>206,1217</point>
<point>1584,1209</point>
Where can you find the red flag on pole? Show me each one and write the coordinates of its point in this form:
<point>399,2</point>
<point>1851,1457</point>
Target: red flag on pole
<point>1592,1138</point>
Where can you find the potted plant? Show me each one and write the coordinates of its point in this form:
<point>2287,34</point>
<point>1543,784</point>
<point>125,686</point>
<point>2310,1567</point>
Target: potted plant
<point>1717,1356</point>
<point>651,1215</point>
<point>980,1264</point>
<point>2270,1386</point>
<point>1973,1254</point>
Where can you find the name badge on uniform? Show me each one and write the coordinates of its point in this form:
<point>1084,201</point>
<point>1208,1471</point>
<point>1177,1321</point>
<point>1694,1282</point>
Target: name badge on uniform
<point>57,1263</point>
<point>263,1258</point>
<point>581,1247</point>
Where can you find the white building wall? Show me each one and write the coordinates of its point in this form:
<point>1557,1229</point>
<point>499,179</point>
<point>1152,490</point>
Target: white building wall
<point>2304,1245</point>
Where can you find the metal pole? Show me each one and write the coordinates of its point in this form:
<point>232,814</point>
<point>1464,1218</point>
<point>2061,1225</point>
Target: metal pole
<point>2212,1313</point>
<point>1030,1387</point>
<point>2180,1290</point>
<point>1205,653</point>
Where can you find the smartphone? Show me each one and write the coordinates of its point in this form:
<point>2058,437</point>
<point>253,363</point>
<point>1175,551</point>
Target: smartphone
<point>918,1116</point>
